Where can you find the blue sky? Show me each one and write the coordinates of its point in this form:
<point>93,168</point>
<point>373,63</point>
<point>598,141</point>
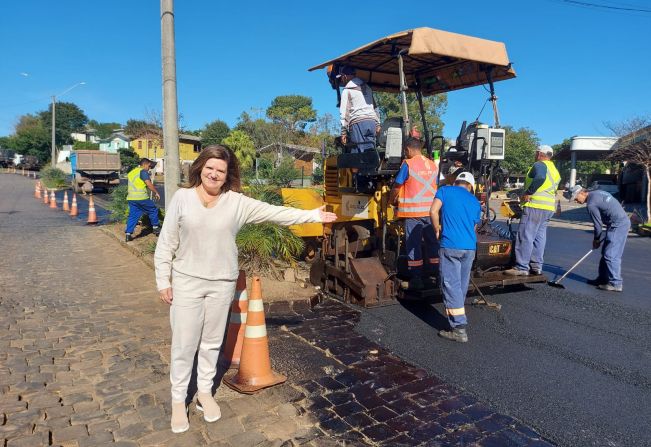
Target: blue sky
<point>577,66</point>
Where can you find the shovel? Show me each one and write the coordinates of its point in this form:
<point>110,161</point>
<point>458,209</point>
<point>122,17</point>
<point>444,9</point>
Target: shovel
<point>557,283</point>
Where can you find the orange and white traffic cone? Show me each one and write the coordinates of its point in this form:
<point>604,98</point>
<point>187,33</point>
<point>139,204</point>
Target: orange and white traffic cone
<point>73,210</point>
<point>46,198</point>
<point>53,201</point>
<point>255,371</point>
<point>37,190</point>
<point>235,335</point>
<point>92,215</point>
<point>66,207</point>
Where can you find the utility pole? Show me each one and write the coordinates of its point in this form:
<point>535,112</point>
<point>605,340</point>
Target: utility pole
<point>54,150</point>
<point>170,106</point>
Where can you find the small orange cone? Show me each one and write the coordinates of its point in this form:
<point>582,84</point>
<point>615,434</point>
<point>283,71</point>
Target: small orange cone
<point>92,215</point>
<point>46,198</point>
<point>66,207</point>
<point>255,371</point>
<point>37,190</point>
<point>236,325</point>
<point>74,211</point>
<point>53,201</point>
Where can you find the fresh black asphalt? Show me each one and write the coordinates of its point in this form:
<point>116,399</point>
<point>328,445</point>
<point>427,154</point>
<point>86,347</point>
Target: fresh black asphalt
<point>574,364</point>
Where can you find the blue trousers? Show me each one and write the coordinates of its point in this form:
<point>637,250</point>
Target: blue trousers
<point>610,264</point>
<point>136,209</point>
<point>531,239</point>
<point>362,135</point>
<point>418,229</point>
<point>455,278</point>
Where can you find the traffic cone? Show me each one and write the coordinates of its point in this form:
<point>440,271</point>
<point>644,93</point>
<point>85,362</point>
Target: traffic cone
<point>66,207</point>
<point>53,201</point>
<point>74,211</point>
<point>236,325</point>
<point>255,371</point>
<point>23,173</point>
<point>37,190</point>
<point>558,208</point>
<point>92,215</point>
<point>46,198</point>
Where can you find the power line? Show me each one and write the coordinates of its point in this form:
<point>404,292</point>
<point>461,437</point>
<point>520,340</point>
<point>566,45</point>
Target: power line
<point>595,5</point>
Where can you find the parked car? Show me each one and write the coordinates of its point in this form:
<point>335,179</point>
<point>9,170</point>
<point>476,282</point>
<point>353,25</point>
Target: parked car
<point>605,185</point>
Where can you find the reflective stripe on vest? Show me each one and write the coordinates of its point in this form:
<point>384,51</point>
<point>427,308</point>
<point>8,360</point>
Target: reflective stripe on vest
<point>545,197</point>
<point>137,189</point>
<point>417,193</point>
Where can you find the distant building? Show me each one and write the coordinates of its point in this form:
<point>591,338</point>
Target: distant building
<point>87,136</point>
<point>303,155</point>
<point>116,141</point>
<point>150,146</point>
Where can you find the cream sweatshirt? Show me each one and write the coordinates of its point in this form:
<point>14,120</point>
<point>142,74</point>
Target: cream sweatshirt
<point>200,242</point>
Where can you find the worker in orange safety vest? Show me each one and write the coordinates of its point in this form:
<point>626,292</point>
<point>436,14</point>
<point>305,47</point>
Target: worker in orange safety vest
<point>413,192</point>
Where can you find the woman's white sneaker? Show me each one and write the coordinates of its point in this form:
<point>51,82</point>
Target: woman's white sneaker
<point>207,405</point>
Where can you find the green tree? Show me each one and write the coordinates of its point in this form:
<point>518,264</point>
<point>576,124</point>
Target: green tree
<point>284,173</point>
<point>128,159</point>
<point>214,133</point>
<point>85,145</point>
<point>293,112</point>
<point>103,130</point>
<point>137,128</point>
<point>389,106</point>
<point>242,145</point>
<point>261,132</point>
<point>520,149</point>
<point>31,137</point>
<point>69,118</point>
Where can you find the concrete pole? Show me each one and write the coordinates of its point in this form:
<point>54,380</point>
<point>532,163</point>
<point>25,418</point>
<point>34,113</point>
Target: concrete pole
<point>573,169</point>
<point>170,106</point>
<point>54,150</point>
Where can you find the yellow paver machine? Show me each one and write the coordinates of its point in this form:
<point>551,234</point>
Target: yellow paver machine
<point>361,257</point>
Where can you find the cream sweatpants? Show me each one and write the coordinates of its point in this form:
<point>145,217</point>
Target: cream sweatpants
<point>198,317</point>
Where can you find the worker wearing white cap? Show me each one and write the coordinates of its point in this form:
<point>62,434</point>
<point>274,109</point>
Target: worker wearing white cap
<point>539,200</point>
<point>460,212</point>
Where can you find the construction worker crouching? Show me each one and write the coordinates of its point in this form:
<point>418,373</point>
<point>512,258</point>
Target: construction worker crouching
<point>460,212</point>
<point>604,209</point>
<point>413,191</point>
<point>139,181</point>
<point>539,206</point>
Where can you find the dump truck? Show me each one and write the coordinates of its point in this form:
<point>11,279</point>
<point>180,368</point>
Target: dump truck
<point>361,258</point>
<point>94,169</point>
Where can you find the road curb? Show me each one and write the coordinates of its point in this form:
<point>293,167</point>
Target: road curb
<point>273,307</point>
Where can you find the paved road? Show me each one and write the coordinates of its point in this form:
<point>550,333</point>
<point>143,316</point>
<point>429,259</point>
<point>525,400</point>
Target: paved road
<point>575,363</point>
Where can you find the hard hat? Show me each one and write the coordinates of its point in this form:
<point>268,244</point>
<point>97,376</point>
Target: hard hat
<point>573,192</point>
<point>547,150</point>
<point>466,177</point>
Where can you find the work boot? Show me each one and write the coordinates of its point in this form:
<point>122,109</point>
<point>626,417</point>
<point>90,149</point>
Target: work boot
<point>455,334</point>
<point>415,284</point>
<point>180,422</point>
<point>535,272</point>
<point>156,230</point>
<point>610,287</point>
<point>128,237</point>
<point>429,282</point>
<point>516,272</point>
<point>207,405</point>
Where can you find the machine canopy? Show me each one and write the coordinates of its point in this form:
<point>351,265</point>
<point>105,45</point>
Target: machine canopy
<point>439,61</point>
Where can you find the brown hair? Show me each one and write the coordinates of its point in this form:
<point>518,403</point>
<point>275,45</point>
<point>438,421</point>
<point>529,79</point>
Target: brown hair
<point>219,152</point>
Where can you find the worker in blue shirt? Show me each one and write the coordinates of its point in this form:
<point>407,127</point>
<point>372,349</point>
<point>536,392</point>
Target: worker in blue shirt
<point>606,211</point>
<point>460,212</point>
<point>139,185</point>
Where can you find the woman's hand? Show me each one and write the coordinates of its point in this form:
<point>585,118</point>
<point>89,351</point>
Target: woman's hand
<point>326,216</point>
<point>166,295</point>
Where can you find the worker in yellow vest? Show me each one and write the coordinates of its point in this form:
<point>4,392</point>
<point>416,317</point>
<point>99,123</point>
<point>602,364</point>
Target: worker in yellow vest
<point>413,191</point>
<point>138,197</point>
<point>539,200</point>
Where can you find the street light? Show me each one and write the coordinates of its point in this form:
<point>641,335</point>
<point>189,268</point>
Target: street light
<point>54,101</point>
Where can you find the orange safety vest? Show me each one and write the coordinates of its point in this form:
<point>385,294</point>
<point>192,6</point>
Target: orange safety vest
<point>417,193</point>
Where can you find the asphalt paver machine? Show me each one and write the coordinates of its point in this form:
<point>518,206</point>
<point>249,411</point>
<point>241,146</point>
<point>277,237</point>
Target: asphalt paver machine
<point>361,258</point>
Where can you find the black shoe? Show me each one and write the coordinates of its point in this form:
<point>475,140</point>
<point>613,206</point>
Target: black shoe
<point>535,272</point>
<point>128,237</point>
<point>429,282</point>
<point>457,334</point>
<point>156,231</point>
<point>415,284</point>
<point>610,288</point>
<point>596,282</point>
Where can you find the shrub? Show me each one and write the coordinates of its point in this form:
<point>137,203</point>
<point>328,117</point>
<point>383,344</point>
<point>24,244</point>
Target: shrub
<point>118,205</point>
<point>53,177</point>
<point>260,245</point>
